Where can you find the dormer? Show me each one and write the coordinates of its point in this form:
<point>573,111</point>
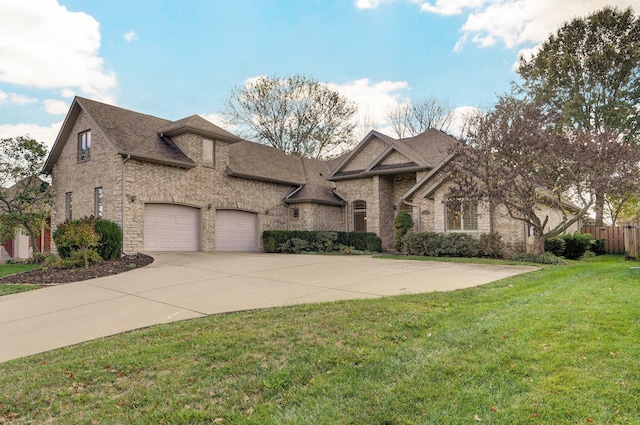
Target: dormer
<point>202,141</point>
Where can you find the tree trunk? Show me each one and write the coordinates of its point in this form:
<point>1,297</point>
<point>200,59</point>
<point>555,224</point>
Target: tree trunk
<point>538,245</point>
<point>599,208</point>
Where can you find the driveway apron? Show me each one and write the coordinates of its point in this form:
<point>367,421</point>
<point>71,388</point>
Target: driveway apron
<point>180,286</point>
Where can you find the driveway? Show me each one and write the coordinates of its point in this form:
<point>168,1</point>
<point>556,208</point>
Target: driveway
<point>179,286</point>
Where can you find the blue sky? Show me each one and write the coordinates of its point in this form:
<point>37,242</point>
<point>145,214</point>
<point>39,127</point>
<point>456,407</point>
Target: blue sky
<point>177,58</point>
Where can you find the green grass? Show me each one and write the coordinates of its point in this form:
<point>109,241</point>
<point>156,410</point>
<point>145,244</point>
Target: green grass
<point>556,346</point>
<point>7,269</point>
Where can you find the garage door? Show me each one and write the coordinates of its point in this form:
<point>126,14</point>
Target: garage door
<point>171,228</point>
<point>236,231</point>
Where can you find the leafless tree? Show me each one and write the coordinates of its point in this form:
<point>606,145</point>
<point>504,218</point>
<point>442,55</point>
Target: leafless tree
<point>296,114</point>
<point>412,118</point>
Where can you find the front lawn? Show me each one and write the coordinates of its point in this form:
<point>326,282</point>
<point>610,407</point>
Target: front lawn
<point>556,346</point>
<point>7,269</point>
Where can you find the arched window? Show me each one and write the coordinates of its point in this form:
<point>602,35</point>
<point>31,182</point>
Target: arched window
<point>359,216</point>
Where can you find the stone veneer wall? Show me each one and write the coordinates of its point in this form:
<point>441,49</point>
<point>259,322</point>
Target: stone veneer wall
<point>198,187</point>
<point>317,217</point>
<point>103,169</point>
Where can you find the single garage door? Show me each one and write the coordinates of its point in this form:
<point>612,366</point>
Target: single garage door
<point>236,231</point>
<point>171,228</point>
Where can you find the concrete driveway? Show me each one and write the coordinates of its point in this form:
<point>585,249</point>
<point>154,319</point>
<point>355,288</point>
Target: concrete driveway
<point>179,286</point>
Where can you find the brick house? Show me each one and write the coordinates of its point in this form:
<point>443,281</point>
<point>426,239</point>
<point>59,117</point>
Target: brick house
<point>189,185</point>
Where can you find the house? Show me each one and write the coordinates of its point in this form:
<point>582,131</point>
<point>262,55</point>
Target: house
<point>189,185</point>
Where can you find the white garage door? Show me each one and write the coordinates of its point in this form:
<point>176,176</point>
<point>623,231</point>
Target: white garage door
<point>171,228</point>
<point>236,231</point>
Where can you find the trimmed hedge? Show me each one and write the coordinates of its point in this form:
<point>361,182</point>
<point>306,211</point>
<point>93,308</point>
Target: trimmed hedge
<point>317,240</point>
<point>431,244</point>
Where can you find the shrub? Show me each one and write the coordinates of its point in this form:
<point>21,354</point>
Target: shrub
<point>576,245</point>
<point>442,244</point>
<point>320,240</point>
<point>373,243</point>
<point>597,246</point>
<point>491,245</point>
<point>110,239</point>
<point>294,246</point>
<point>555,246</point>
<point>422,243</point>
<point>459,245</point>
<point>325,241</point>
<point>402,223</point>
<point>77,236</point>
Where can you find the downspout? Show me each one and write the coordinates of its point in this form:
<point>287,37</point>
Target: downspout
<point>124,160</point>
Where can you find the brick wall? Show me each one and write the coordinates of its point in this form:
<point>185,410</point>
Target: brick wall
<point>103,169</point>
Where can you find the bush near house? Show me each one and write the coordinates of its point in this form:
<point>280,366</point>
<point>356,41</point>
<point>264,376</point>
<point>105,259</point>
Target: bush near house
<point>431,244</point>
<point>402,223</point>
<point>574,246</point>
<point>296,241</point>
<point>85,241</point>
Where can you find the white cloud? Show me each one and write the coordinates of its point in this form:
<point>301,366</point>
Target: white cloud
<point>44,45</point>
<point>45,134</point>
<point>448,7</point>
<point>515,22</point>
<point>219,120</point>
<point>130,36</point>
<point>374,99</point>
<point>368,4</point>
<point>15,98</point>
<point>56,107</point>
<point>460,117</point>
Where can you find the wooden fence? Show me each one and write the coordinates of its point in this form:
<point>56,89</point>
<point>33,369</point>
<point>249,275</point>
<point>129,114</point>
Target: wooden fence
<point>614,237</point>
<point>632,241</point>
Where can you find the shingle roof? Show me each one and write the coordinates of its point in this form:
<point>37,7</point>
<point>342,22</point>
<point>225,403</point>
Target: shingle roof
<point>432,146</point>
<point>265,163</point>
<point>199,125</point>
<point>423,151</point>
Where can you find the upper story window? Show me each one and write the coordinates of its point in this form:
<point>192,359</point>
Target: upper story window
<point>97,199</point>
<point>208,152</point>
<point>84,145</point>
<point>462,215</point>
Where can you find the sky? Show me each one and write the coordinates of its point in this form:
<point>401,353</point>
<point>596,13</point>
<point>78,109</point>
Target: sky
<point>176,58</point>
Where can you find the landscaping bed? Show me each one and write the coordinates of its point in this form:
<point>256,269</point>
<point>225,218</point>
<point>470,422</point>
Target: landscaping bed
<point>51,276</point>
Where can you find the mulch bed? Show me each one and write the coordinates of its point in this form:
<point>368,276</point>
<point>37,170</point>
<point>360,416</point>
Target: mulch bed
<point>57,276</point>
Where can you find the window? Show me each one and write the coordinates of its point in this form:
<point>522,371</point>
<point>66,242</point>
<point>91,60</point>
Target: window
<point>462,216</point>
<point>208,152</point>
<point>84,145</point>
<point>69,206</point>
<point>97,200</point>
<point>359,216</point>
<point>295,212</point>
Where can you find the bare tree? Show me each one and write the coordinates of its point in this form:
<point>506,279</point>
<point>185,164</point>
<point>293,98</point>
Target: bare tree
<point>412,118</point>
<point>296,114</point>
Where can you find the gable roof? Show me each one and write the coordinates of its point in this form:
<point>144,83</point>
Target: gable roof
<point>133,134</point>
<point>422,152</point>
<point>197,124</point>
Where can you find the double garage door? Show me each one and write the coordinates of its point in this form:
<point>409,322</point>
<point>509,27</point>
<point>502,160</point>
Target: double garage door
<point>177,228</point>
